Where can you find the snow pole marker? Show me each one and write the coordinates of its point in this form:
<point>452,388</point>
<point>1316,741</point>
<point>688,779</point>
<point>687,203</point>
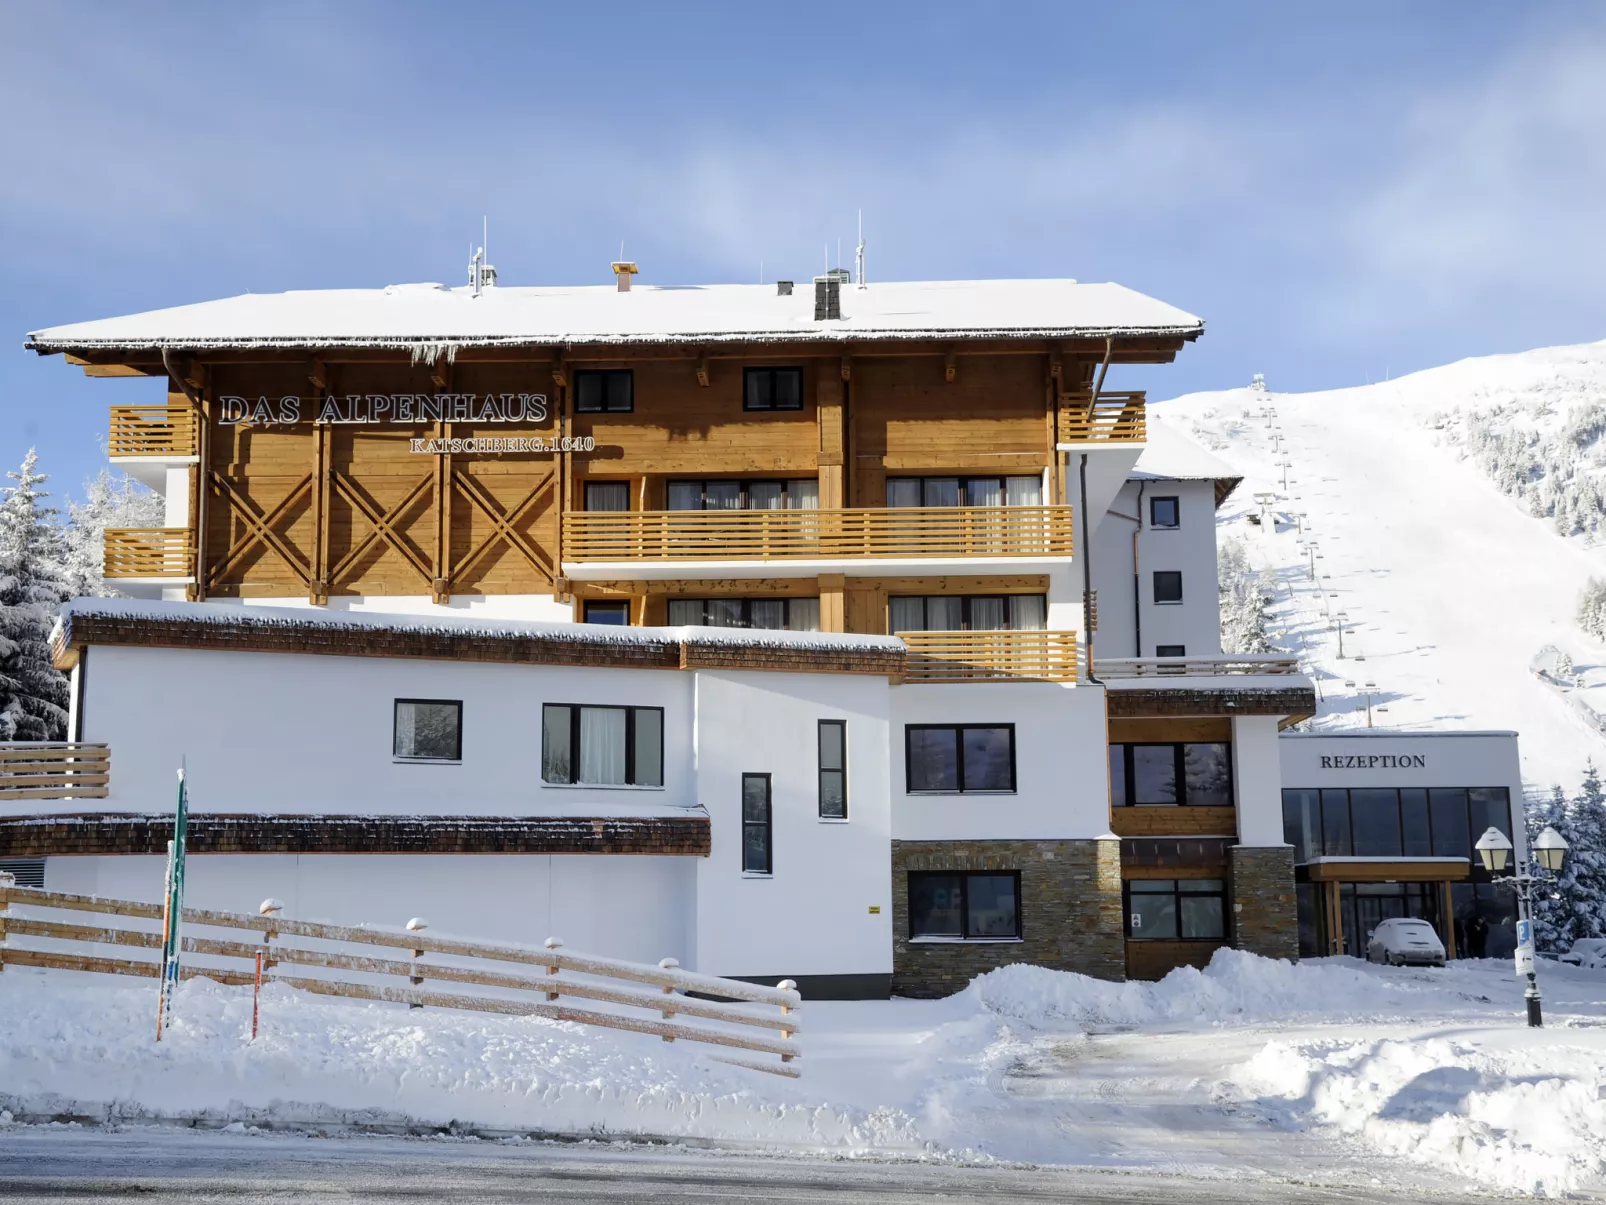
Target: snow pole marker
<point>167,935</point>
<point>269,907</point>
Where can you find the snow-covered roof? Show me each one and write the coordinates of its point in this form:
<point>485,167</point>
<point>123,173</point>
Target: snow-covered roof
<point>1172,456</point>
<point>431,317</point>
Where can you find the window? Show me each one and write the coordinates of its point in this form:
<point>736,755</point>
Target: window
<point>1176,909</point>
<point>29,872</point>
<point>428,730</point>
<point>1196,773</point>
<point>604,392</point>
<point>799,493</point>
<point>773,614</point>
<point>1167,586</point>
<point>608,495</point>
<point>757,854</point>
<point>833,769</point>
<point>1164,513</point>
<point>602,746</point>
<point>772,389</point>
<point>968,613</point>
<point>1170,650</point>
<point>965,491</point>
<point>956,758</point>
<point>1382,822</point>
<point>617,613</point>
<point>964,907</point>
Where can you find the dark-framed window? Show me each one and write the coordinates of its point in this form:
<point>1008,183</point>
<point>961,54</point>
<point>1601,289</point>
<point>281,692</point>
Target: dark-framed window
<point>612,496</point>
<point>590,745</point>
<point>975,906</point>
<point>968,613</point>
<point>772,389</point>
<point>605,391</point>
<point>758,854</point>
<point>428,730</point>
<point>1165,513</point>
<point>1170,650</point>
<point>965,491</point>
<point>770,614</point>
<point>945,759</point>
<point>1176,909</point>
<point>792,493</point>
<point>1167,585</point>
<point>1379,822</point>
<point>607,611</point>
<point>1197,773</point>
<point>833,746</point>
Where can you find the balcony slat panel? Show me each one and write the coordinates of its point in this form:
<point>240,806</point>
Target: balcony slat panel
<point>53,770</point>
<point>149,552</point>
<point>1041,656</point>
<point>1110,417</point>
<point>152,431</point>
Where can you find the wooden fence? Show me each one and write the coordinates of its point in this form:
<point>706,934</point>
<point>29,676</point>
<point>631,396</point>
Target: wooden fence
<point>152,431</point>
<point>1195,667</point>
<point>149,552</point>
<point>882,533</point>
<point>989,656</point>
<point>54,770</point>
<point>338,960</point>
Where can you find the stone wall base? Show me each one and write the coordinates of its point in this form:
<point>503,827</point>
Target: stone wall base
<point>1265,916</point>
<point>1070,910</point>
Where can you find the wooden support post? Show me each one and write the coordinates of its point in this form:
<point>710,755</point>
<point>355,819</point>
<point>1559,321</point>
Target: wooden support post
<point>322,447</point>
<point>553,943</point>
<point>7,881</point>
<point>787,985</point>
<point>669,964</point>
<point>833,602</point>
<point>829,398</point>
<point>264,962</point>
<point>564,469</point>
<point>950,366</point>
<point>1448,912</point>
<point>702,368</point>
<point>415,925</point>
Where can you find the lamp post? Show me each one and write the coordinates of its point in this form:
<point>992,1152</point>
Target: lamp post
<point>1549,850</point>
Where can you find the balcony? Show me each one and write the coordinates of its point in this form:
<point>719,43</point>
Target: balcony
<point>53,770</point>
<point>812,540</point>
<point>1227,665</point>
<point>1108,418</point>
<point>152,433</point>
<point>159,554</point>
<point>1034,656</point>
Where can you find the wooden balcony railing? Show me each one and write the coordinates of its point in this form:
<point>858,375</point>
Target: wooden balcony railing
<point>53,770</point>
<point>149,552</point>
<point>762,535</point>
<point>989,656</point>
<point>152,431</point>
<point>1194,667</point>
<point>1110,417</point>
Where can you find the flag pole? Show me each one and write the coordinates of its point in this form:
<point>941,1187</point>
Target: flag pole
<point>173,907</point>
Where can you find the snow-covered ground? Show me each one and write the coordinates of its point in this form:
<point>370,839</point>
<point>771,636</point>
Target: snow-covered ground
<point>1330,1071</point>
<point>1450,587</point>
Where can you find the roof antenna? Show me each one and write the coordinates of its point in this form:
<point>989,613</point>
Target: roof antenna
<point>761,271</point>
<point>858,255</point>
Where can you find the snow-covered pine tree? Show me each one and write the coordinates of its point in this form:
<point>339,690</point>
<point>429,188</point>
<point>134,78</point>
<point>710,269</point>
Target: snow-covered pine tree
<point>1553,923</point>
<point>1584,871</point>
<point>1245,601</point>
<point>110,500</point>
<point>1592,608</point>
<point>33,693</point>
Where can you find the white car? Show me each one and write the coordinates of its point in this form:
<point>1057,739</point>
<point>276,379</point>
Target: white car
<point>1586,952</point>
<point>1400,940</point>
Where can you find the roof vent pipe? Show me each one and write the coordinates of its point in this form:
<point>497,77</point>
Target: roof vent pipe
<point>783,288</point>
<point>827,297</point>
<point>623,270</point>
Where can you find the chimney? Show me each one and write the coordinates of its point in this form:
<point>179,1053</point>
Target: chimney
<point>827,297</point>
<point>783,288</point>
<point>623,270</point>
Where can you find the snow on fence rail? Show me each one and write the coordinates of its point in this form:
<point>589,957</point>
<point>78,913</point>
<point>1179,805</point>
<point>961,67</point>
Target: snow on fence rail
<point>330,967</point>
<point>1163,667</point>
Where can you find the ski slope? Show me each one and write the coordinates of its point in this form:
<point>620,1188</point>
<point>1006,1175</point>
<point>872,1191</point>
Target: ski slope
<point>1449,587</point>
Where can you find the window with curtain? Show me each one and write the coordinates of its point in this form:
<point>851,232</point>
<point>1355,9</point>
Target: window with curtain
<point>607,495</point>
<point>772,614</point>
<point>602,746</point>
<point>965,491</point>
<point>791,493</point>
<point>833,743</point>
<point>610,391</point>
<point>968,613</point>
<point>758,854</point>
<point>428,730</point>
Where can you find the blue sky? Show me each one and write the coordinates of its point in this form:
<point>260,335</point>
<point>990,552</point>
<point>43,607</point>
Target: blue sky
<point>1340,192</point>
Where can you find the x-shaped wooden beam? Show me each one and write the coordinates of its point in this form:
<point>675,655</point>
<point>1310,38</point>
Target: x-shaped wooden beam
<point>502,524</point>
<point>382,525</point>
<point>260,527</point>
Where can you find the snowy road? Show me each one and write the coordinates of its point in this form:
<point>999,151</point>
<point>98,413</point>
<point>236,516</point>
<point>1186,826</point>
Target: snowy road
<point>63,1165</point>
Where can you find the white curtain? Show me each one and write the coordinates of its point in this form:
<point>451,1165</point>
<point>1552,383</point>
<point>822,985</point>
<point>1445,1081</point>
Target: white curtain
<point>685,495</point>
<point>685,612</point>
<point>903,491</point>
<point>803,494</point>
<point>1023,491</point>
<point>1028,612</point>
<point>983,491</point>
<point>767,613</point>
<point>907,614</point>
<point>803,615</point>
<point>944,613</point>
<point>764,495</point>
<point>602,745</point>
<point>987,615</point>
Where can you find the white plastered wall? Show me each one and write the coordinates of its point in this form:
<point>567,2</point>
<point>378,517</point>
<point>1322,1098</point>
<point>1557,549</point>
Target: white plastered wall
<point>1257,780</point>
<point>1194,623</point>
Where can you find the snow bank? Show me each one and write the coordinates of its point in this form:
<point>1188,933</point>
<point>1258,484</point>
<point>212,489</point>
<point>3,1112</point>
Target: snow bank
<point>1530,1120</point>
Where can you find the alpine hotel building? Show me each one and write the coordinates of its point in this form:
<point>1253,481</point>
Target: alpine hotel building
<point>855,634</point>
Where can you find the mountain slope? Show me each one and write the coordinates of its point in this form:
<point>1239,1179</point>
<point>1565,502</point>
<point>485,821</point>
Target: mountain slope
<point>1449,586</point>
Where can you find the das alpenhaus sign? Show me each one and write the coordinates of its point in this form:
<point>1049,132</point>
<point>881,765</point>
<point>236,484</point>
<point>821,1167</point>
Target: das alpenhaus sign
<point>395,409</point>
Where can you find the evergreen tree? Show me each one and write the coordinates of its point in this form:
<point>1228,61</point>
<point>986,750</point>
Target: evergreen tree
<point>1584,871</point>
<point>1246,599</point>
<point>33,694</point>
<point>1553,924</point>
<point>1592,608</point>
<point>110,500</point>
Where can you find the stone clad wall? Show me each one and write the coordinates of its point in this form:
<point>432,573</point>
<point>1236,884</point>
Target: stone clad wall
<point>1070,912</point>
<point>1265,919</point>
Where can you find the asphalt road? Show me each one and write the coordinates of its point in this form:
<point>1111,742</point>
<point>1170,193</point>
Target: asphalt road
<point>155,1164</point>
